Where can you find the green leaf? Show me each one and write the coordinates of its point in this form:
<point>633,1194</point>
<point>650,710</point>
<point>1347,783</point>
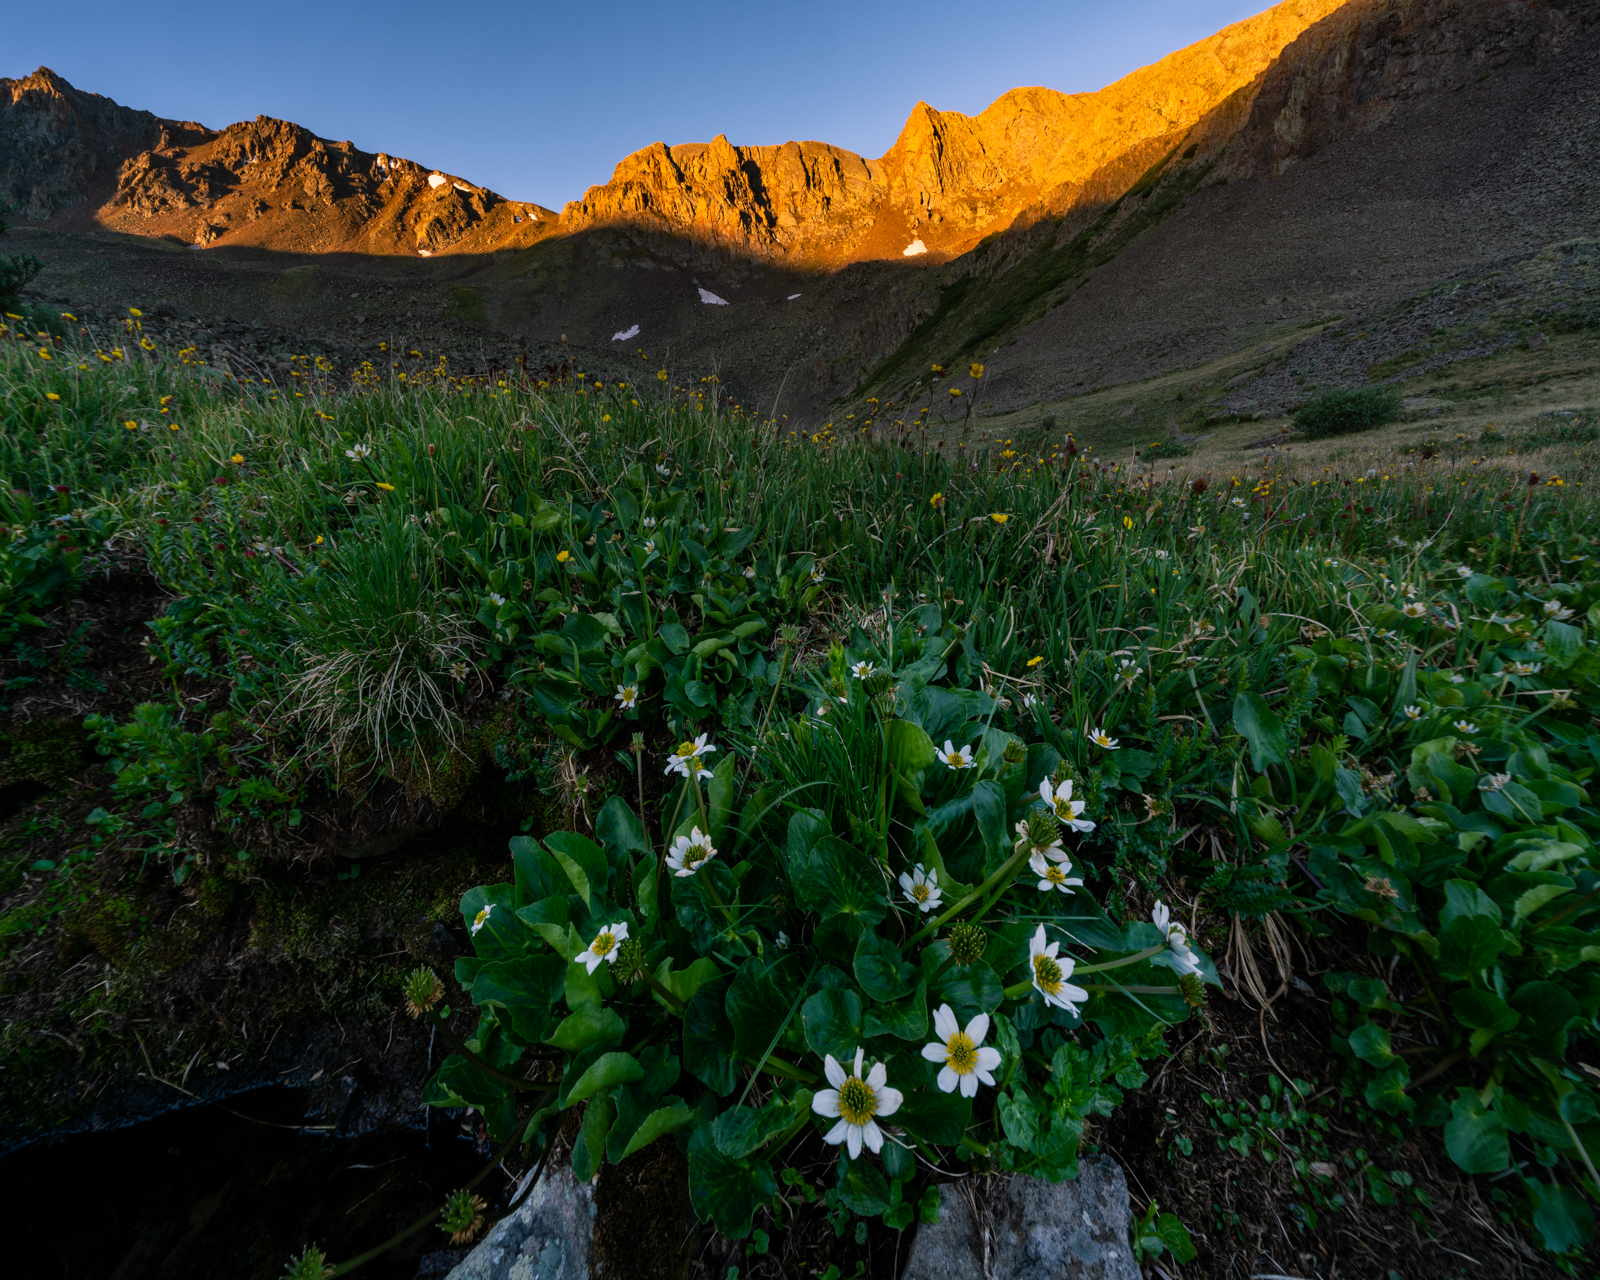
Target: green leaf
<point>1469,945</point>
<point>969,989</point>
<point>724,1191</point>
<point>1175,1236</point>
<point>937,1118</point>
<point>608,1071</point>
<point>1386,1091</point>
<point>832,878</point>
<point>1547,1008</point>
<point>989,808</point>
<point>1019,1117</point>
<point>708,1039</point>
<point>537,876</point>
<point>757,1008</point>
<point>674,636</point>
<point>720,797</point>
<point>525,989</point>
<point>1563,643</point>
<point>583,860</point>
<point>1464,898</point>
<point>1259,725</point>
<point>833,1024</point>
<point>904,1019</point>
<point>911,751</point>
<point>1482,1009</point>
<point>591,1143</point>
<point>588,1026</point>
<point>620,830</point>
<point>879,969</point>
<point>1370,1043</point>
<point>1561,1216</point>
<point>1475,1137</point>
<point>657,1124</point>
<point>742,1131</point>
<point>862,1187</point>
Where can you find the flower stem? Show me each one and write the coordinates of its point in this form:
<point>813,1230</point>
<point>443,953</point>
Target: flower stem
<point>454,1041</point>
<point>1007,870</point>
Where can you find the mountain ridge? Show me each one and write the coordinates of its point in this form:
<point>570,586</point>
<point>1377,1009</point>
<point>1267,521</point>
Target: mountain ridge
<point>948,180</point>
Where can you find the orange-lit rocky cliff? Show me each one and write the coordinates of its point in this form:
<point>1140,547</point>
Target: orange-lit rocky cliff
<point>948,181</point>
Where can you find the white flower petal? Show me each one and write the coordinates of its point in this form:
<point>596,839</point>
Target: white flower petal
<point>877,1076</point>
<point>988,1059</point>
<point>872,1136</point>
<point>825,1102</point>
<point>948,1079</point>
<point>969,1086</point>
<point>978,1028</point>
<point>935,1052</point>
<point>834,1072</point>
<point>852,1139</point>
<point>944,1022</point>
<point>889,1100</point>
<point>837,1134</point>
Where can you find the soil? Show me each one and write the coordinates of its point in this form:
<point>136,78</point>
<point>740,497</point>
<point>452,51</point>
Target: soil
<point>1239,1208</point>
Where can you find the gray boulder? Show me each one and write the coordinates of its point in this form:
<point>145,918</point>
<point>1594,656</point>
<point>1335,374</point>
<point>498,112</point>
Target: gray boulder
<point>1014,1228</point>
<point>546,1238</point>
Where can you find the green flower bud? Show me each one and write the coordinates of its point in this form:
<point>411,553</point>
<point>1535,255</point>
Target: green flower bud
<point>423,991</point>
<point>1194,990</point>
<point>462,1216</point>
<point>967,942</point>
<point>310,1265</point>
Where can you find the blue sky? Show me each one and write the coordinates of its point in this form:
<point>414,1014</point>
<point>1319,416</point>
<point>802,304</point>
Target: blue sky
<point>538,101</point>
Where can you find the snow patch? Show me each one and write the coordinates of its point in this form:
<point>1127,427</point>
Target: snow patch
<point>625,334</point>
<point>914,248</point>
<point>437,180</point>
<point>792,297</point>
<point>710,298</point>
<point>462,186</point>
<point>426,253</point>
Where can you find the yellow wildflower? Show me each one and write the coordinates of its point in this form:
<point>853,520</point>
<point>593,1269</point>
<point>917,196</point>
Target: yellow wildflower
<point>999,517</point>
<point>387,488</point>
<point>563,556</point>
<point>976,370</point>
<point>51,395</point>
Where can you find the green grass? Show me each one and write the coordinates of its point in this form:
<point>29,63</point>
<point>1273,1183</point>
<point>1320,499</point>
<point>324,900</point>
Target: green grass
<point>365,565</point>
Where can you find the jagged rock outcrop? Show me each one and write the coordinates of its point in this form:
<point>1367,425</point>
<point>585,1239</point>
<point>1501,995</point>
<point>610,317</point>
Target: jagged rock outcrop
<point>950,179</point>
<point>61,146</point>
<point>272,184</point>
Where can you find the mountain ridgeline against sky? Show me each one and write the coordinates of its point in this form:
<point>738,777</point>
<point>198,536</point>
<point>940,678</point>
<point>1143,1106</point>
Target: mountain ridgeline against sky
<point>1085,237</point>
<point>948,181</point>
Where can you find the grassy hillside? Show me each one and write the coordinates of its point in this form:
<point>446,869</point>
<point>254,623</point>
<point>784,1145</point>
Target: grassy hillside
<point>375,629</point>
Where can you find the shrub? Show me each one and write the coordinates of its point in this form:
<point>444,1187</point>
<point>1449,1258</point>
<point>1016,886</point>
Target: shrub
<point>16,270</point>
<point>1341,411</point>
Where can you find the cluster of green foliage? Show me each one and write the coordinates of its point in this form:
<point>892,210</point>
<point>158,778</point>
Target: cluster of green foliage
<point>792,935</point>
<point>638,570</point>
<point>17,270</point>
<point>1342,410</point>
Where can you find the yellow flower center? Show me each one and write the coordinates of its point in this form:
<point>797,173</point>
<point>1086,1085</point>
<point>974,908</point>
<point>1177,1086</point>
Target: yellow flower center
<point>482,916</point>
<point>1047,974</point>
<point>603,943</point>
<point>684,751</point>
<point>961,1054</point>
<point>919,892</point>
<point>857,1102</point>
<point>1055,875</point>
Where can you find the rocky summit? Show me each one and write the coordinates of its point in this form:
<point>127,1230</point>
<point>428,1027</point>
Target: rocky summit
<point>1321,159</point>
